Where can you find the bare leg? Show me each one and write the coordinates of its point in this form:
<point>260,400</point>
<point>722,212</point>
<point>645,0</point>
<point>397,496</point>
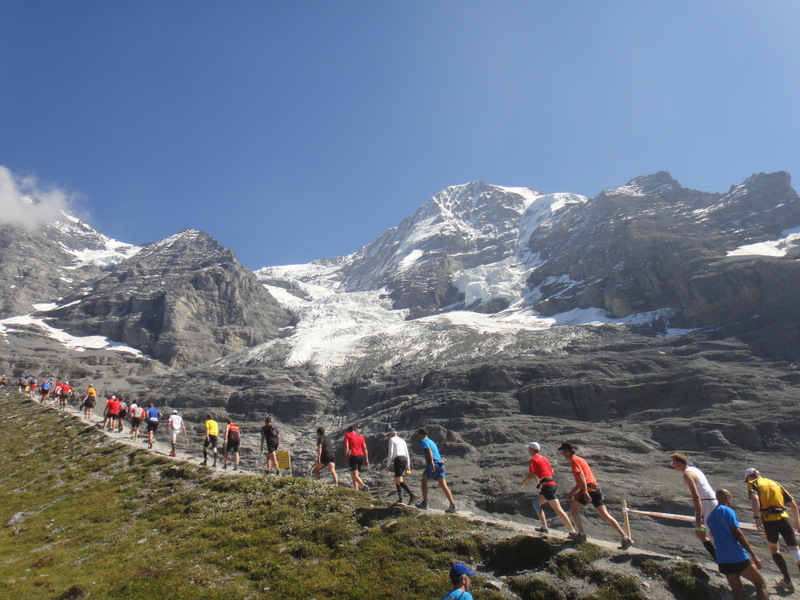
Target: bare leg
<point>556,506</point>
<point>574,512</point>
<point>604,514</point>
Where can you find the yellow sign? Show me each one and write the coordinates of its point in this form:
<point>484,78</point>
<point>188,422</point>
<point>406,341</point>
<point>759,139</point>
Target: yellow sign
<point>283,459</point>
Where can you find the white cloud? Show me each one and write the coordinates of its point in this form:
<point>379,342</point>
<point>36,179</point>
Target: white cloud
<point>25,202</point>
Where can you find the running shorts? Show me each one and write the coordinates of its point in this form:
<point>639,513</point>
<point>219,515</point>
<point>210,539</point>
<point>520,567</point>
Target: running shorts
<point>152,425</point>
<point>210,441</point>
<point>400,464</point>
<point>596,497</point>
<point>232,445</point>
<point>357,462</point>
<point>436,473</point>
<point>782,527</point>
<point>327,459</point>
<point>731,568</point>
<point>548,492</point>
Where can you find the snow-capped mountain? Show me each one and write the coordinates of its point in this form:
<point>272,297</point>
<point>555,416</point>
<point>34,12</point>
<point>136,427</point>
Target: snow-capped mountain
<point>483,270</point>
<point>43,264</point>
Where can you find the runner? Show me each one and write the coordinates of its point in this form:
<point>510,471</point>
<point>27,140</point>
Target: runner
<point>136,413</point>
<point>540,469</point>
<point>89,402</point>
<point>459,577</point>
<point>703,497</point>
<point>123,412</point>
<point>769,500</point>
<point>112,414</point>
<point>326,457</point>
<point>355,452</point>
<point>212,432</point>
<point>231,440</point>
<point>44,390</point>
<point>399,461</point>
<point>152,415</point>
<point>587,490</point>
<point>734,555</point>
<point>176,426</point>
<point>434,470</point>
<point>270,435</point>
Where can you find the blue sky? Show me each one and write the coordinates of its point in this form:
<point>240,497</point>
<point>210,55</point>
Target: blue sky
<point>299,130</point>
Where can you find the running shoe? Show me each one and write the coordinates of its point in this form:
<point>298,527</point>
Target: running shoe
<point>626,543</point>
<point>542,529</point>
<point>579,538</point>
<point>411,499</point>
<point>452,509</point>
<point>422,506</point>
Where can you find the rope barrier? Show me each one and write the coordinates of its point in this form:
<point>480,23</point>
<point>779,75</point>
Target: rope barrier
<point>660,515</point>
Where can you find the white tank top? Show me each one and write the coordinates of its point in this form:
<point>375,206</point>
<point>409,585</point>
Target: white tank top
<point>703,488</point>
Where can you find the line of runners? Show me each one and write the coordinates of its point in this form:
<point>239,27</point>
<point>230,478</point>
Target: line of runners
<point>713,515</point>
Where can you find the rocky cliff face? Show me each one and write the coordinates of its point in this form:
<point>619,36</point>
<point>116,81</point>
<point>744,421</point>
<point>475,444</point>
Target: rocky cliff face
<point>652,245</point>
<point>183,301</point>
<point>45,263</point>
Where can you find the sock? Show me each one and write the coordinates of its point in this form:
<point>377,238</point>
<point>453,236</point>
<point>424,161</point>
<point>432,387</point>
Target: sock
<point>709,545</point>
<point>404,485</point>
<point>782,566</point>
<point>399,492</point>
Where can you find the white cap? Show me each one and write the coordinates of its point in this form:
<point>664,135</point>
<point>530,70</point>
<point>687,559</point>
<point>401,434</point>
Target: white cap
<point>750,471</point>
<point>534,445</point>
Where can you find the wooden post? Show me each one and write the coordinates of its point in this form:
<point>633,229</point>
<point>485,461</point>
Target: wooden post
<point>626,518</point>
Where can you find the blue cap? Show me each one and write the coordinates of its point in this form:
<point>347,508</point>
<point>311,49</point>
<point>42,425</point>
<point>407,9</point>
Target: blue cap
<point>458,569</point>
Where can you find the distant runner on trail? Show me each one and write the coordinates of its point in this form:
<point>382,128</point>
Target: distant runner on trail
<point>355,452</point>
<point>769,500</point>
<point>398,461</point>
<point>152,415</point>
<point>434,471</point>
<point>232,440</point>
<point>734,555</point>
<point>703,497</point>
<point>136,413</point>
<point>587,490</point>
<point>539,469</point>
<point>123,412</point>
<point>212,432</point>
<point>270,436</point>
<point>176,426</point>
<point>326,457</point>
<point>88,403</point>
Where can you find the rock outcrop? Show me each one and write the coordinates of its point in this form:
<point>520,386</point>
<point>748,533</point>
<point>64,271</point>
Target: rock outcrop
<point>183,301</point>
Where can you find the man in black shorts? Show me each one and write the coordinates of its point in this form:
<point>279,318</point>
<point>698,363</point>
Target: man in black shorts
<point>733,553</point>
<point>769,500</point>
<point>325,456</point>
<point>232,439</point>
<point>270,436</point>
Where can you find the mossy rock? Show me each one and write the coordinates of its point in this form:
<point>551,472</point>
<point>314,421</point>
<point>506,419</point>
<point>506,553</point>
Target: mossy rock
<point>519,553</point>
<point>686,580</point>
<point>533,588</point>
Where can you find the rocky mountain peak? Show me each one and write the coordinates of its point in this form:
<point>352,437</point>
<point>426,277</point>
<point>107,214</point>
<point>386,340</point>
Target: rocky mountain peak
<point>648,185</point>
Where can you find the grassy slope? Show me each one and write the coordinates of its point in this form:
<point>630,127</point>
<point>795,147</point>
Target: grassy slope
<point>118,522</point>
<point>107,520</point>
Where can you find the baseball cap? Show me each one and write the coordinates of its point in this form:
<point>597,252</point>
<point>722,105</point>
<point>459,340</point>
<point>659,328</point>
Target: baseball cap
<point>566,446</point>
<point>459,569</point>
<point>750,471</point>
<point>174,412</point>
<point>534,445</point>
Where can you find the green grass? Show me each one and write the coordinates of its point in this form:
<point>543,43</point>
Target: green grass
<point>105,520</point>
